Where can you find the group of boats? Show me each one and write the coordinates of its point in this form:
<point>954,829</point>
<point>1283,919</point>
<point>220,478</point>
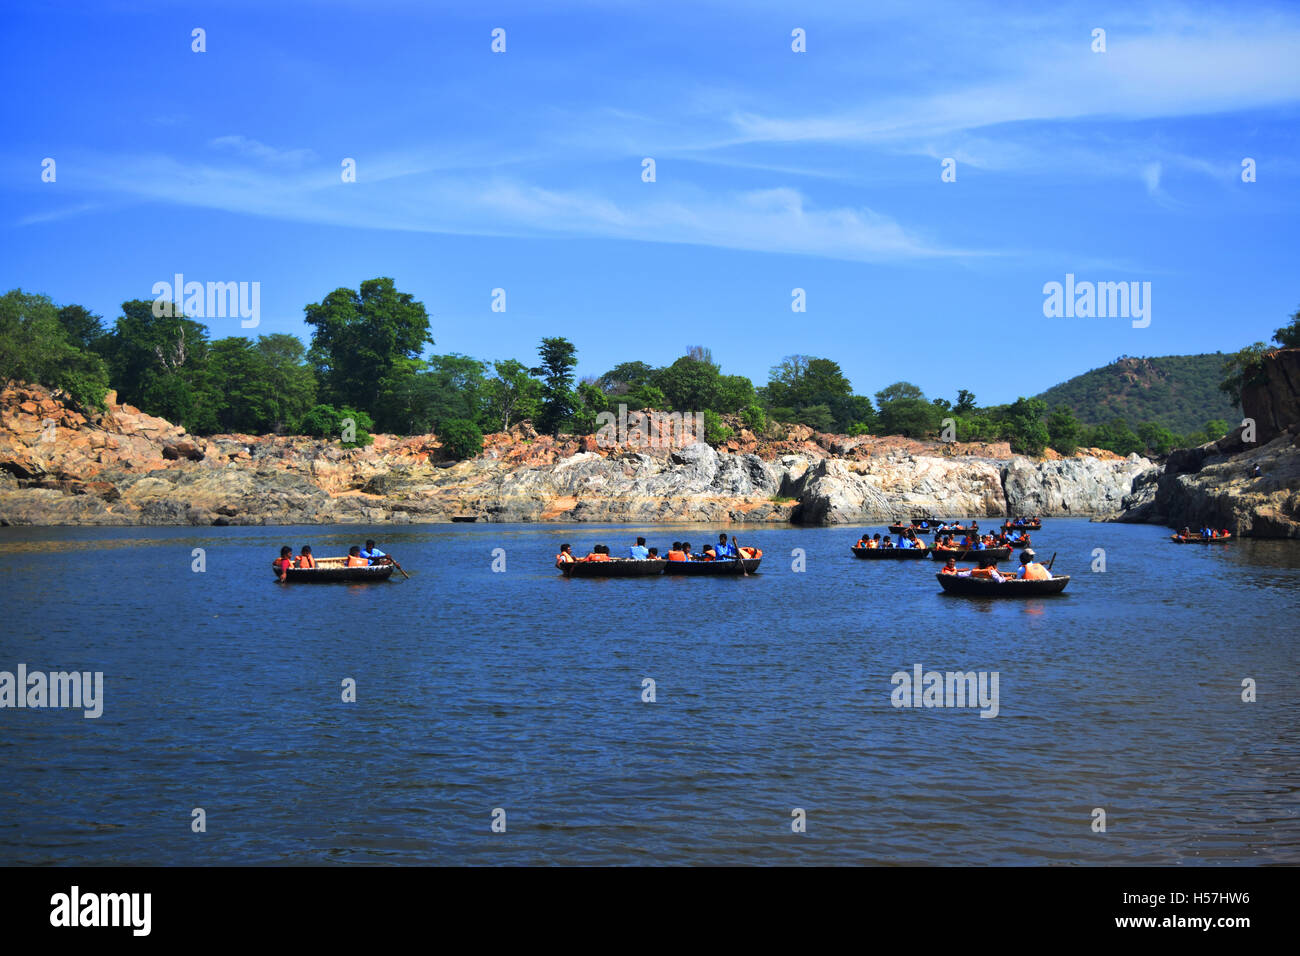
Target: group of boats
<point>966,584</point>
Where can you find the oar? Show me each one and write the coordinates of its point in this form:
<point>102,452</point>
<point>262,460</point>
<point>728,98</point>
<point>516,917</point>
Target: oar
<point>744,571</point>
<point>1049,563</point>
<point>399,567</point>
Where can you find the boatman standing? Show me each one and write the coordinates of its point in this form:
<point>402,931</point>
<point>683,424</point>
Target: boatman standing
<point>1030,569</point>
<point>638,551</point>
<point>724,550</point>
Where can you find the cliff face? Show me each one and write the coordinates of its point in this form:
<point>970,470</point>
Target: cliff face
<point>1250,488</point>
<point>1273,401</point>
<point>124,467</point>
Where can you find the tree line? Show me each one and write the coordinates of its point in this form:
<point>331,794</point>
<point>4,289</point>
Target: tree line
<point>366,367</point>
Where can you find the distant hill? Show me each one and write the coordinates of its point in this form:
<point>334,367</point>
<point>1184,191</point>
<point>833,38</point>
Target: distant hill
<point>1180,392</point>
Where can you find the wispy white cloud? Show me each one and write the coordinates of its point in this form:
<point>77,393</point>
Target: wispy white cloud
<point>251,148</point>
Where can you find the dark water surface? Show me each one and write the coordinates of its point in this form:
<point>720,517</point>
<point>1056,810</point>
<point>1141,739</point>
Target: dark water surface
<point>522,690</point>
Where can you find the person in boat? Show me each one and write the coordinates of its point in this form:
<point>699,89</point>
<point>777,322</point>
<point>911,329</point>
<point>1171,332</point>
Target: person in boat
<point>599,553</point>
<point>653,554</point>
<point>874,543</point>
<point>709,554</point>
<point>284,562</point>
<point>903,542</point>
<point>1030,569</point>
<point>745,553</point>
<point>355,560</point>
<point>862,541</point>
<point>988,570</point>
<point>886,543</point>
<point>638,551</point>
<point>686,550</point>
<point>564,557</point>
<point>675,553</point>
<point>373,554</point>
<point>950,567</point>
<point>1224,533</point>
<point>725,549</point>
<point>305,559</point>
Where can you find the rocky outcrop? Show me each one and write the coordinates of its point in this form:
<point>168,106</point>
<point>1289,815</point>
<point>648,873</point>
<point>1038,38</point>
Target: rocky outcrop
<point>1251,487</point>
<point>61,466</point>
<point>1272,396</point>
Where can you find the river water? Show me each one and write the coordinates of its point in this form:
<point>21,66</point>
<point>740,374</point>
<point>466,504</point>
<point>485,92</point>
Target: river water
<point>520,691</point>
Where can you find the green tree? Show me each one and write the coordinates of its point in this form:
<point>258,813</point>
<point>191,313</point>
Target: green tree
<point>159,362</point>
<point>239,380</point>
<point>291,381</point>
<point>715,432</point>
<point>1023,426</point>
<point>35,347</point>
<point>326,421</point>
<point>1064,431</point>
<point>903,410</point>
<point>1289,335</point>
<point>85,329</point>
<point>625,377</point>
<point>461,439</point>
<point>359,341</point>
<point>689,384</point>
<point>965,402</point>
<point>512,394</point>
<point>1242,369</point>
<point>559,358</point>
<point>1157,439</point>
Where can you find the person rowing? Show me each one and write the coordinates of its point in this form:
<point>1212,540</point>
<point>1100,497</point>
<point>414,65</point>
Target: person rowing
<point>725,549</point>
<point>638,551</point>
<point>1030,569</point>
<point>373,554</point>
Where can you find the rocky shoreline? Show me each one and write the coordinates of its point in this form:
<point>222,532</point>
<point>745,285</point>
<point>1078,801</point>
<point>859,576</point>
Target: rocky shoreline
<point>60,466</point>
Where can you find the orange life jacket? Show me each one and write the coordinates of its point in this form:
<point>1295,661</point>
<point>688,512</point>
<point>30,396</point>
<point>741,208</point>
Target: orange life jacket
<point>983,572</point>
<point>564,557</point>
<point>306,561</point>
<point>947,570</point>
<point>596,557</point>
<point>355,561</point>
<point>1035,572</point>
<point>676,556</point>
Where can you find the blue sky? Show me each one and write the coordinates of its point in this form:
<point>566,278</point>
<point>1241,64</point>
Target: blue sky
<point>775,170</point>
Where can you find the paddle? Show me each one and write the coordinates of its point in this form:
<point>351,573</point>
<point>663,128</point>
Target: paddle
<point>744,572</point>
<point>399,567</point>
<point>1049,563</point>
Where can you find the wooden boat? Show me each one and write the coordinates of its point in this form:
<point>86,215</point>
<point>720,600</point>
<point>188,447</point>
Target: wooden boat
<point>971,554</point>
<point>724,566</point>
<point>930,525</point>
<point>613,568</point>
<point>887,554</point>
<point>1199,539</point>
<point>1026,526</point>
<point>333,570</point>
<point>985,587</point>
<point>957,532</point>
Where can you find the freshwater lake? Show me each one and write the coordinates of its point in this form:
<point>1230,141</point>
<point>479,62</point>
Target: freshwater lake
<point>521,691</point>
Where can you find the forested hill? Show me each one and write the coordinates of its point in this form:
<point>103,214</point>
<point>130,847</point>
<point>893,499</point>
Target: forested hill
<point>1180,392</point>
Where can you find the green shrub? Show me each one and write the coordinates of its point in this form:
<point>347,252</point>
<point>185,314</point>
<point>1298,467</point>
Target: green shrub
<point>461,439</point>
<point>715,432</point>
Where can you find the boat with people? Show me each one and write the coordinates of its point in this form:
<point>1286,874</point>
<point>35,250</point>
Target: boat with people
<point>614,568</point>
<point>332,570</point>
<point>642,561</point>
<point>1219,537</point>
<point>1023,524</point>
<point>889,554</point>
<point>971,554</point>
<point>736,566</point>
<point>971,586</point>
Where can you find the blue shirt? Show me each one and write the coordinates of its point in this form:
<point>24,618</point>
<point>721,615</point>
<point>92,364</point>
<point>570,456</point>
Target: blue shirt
<point>370,555</point>
<point>638,551</point>
<point>724,550</point>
